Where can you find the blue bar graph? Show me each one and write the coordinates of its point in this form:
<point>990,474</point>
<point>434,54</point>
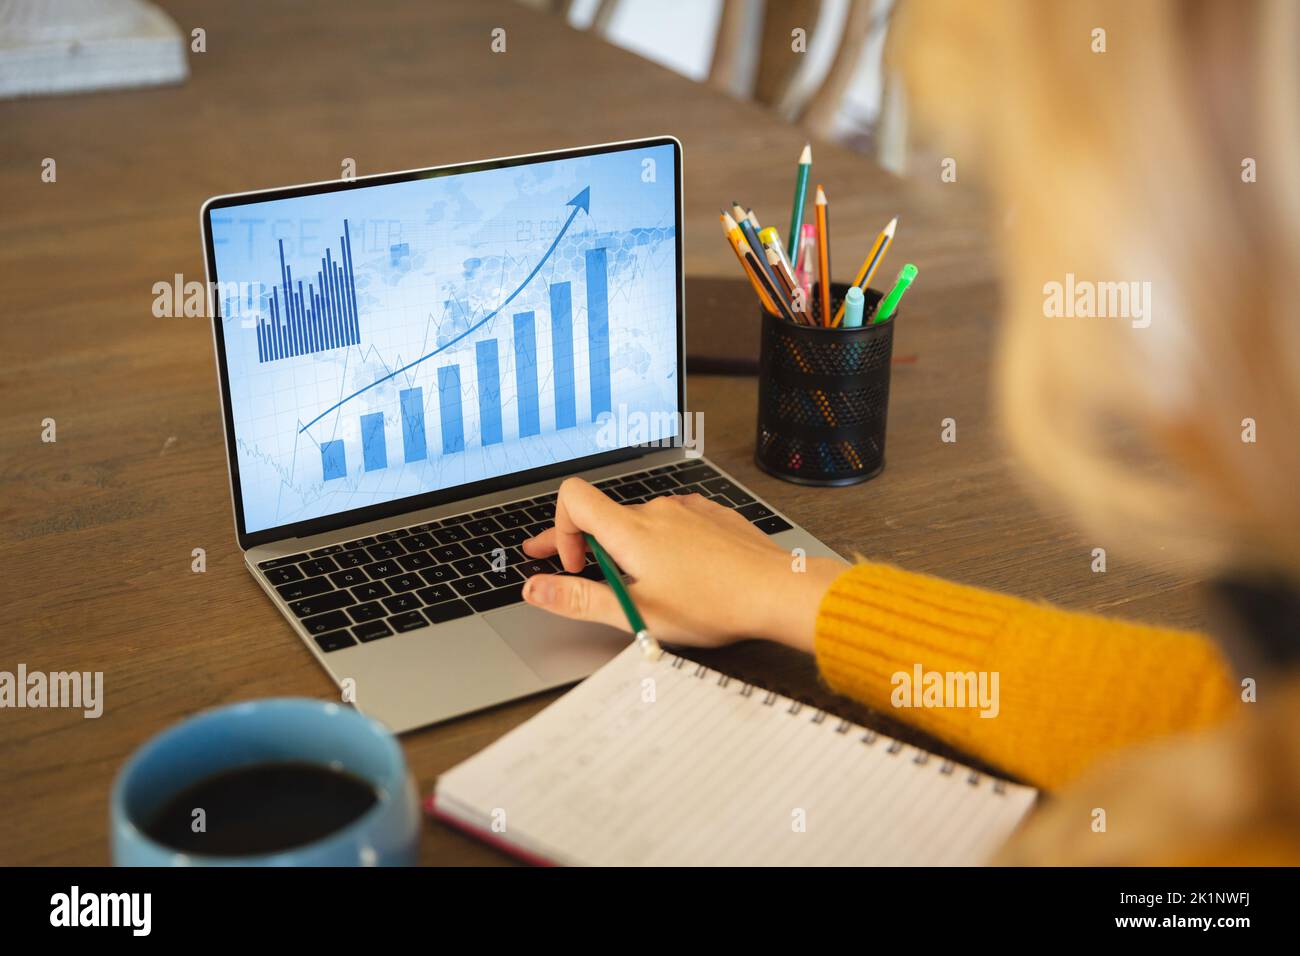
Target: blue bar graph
<point>598,331</point>
<point>489,392</point>
<point>566,404</point>
<point>530,422</point>
<point>316,319</point>
<point>414,446</point>
<point>453,426</point>
<point>373,450</point>
<point>333,459</point>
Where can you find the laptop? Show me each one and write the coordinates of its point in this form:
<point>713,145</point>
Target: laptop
<point>409,365</point>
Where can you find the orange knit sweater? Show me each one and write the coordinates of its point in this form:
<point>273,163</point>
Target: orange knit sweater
<point>1070,686</point>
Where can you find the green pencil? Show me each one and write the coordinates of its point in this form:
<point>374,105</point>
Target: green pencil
<point>649,646</point>
<point>800,197</point>
<point>886,310</point>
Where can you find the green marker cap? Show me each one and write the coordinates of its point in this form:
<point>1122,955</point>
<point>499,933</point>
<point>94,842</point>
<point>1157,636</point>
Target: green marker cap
<point>890,303</point>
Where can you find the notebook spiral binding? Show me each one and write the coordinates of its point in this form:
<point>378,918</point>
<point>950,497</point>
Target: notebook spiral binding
<point>869,737</point>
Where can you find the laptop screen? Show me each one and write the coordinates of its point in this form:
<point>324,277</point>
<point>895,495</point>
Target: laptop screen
<point>383,340</point>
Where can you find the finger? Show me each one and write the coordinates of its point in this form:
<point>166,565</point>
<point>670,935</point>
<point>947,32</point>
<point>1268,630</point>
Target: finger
<point>576,598</point>
<point>580,507</point>
<point>541,545</point>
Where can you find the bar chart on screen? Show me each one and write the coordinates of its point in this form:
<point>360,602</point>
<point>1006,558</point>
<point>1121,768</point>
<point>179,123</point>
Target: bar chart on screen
<point>524,390</point>
<point>323,316</point>
<point>435,333</point>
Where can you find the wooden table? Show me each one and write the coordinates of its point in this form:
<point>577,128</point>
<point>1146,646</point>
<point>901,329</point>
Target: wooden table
<point>99,526</point>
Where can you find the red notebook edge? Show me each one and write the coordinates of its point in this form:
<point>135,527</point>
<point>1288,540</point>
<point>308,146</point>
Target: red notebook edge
<point>487,836</point>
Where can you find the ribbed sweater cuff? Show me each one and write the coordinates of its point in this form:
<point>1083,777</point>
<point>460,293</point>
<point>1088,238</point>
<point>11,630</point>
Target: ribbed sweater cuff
<point>877,620</point>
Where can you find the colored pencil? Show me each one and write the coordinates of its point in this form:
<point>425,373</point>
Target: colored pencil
<point>824,254</point>
<point>872,262</point>
<point>800,198</point>
<point>739,247</point>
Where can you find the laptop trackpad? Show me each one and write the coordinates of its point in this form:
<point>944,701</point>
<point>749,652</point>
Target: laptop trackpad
<point>556,649</point>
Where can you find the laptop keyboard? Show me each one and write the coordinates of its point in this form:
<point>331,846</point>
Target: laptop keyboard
<point>403,580</point>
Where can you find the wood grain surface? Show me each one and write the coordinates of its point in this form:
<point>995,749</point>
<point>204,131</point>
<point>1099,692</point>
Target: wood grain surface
<point>98,527</point>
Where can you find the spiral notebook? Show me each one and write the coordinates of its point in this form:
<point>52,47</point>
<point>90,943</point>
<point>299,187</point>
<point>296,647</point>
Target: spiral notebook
<point>672,763</point>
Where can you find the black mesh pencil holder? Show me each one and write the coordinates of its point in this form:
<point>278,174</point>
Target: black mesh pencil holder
<point>823,395</point>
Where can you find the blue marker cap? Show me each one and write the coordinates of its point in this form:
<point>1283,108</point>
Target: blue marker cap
<point>853,302</point>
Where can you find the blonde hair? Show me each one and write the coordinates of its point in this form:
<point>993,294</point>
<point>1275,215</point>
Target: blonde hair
<point>1128,166</point>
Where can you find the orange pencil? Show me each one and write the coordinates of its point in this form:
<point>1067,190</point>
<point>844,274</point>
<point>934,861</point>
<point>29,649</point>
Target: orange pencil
<point>738,245</point>
<point>870,264</point>
<point>824,254</point>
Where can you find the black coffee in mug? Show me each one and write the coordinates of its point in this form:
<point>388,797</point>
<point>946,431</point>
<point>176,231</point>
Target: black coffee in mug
<point>260,809</point>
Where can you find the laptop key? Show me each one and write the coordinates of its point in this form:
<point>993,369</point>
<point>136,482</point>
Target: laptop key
<point>482,526</point>
<point>370,591</point>
<point>348,577</point>
<point>447,611</point>
<point>481,545</point>
<point>321,603</point>
<point>372,631</point>
<point>754,512</point>
<point>308,587</point>
<point>512,536</point>
<point>335,641</point>
<point>772,525</point>
<point>436,594</point>
<point>501,597</point>
<point>660,483</point>
<point>367,612</point>
<point>699,473</point>
<point>283,575</point>
<point>382,569</point>
<point>352,559</point>
<point>281,562</point>
<point>538,566</point>
<point>385,549</point>
<point>467,586</point>
<point>413,562</point>
<point>510,557</point>
<point>502,579</point>
<point>471,566</point>
<point>514,519</point>
<point>402,602</point>
<point>319,566</point>
<point>449,552</point>
<point>324,623</point>
<point>332,549</point>
<point>542,512</point>
<point>450,535</point>
<point>410,621</point>
<point>404,582</point>
<point>418,542</point>
<point>443,572</point>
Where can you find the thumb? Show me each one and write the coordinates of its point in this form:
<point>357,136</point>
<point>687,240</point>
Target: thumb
<point>571,596</point>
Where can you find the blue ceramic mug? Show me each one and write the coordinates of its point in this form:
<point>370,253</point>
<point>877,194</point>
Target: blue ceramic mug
<point>271,731</point>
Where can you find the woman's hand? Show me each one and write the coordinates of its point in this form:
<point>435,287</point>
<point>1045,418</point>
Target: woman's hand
<point>702,574</point>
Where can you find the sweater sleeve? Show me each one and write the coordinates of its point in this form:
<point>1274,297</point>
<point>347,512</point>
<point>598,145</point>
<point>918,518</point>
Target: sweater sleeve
<point>1069,686</point>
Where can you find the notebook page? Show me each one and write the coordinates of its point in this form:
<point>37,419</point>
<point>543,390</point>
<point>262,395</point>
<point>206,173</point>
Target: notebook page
<point>672,763</point>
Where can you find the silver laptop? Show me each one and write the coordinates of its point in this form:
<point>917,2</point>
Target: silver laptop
<point>409,366</point>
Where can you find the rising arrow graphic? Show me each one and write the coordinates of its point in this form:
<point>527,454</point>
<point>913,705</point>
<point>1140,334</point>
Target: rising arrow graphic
<point>582,202</point>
